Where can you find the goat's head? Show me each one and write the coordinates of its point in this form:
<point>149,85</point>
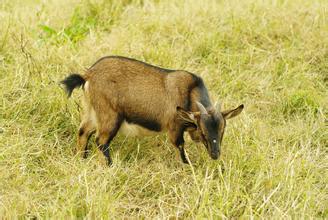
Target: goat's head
<point>207,125</point>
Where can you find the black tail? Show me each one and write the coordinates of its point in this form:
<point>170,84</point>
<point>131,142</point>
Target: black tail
<point>71,82</point>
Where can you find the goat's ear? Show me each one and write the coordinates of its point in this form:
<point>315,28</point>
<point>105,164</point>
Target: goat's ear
<point>187,116</point>
<point>233,112</point>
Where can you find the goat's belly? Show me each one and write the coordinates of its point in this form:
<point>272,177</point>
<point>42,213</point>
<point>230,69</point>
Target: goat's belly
<point>135,130</point>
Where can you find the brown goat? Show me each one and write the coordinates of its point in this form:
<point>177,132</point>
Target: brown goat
<point>125,94</point>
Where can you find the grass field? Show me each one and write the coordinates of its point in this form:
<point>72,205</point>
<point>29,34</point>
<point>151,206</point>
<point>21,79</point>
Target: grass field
<point>271,56</point>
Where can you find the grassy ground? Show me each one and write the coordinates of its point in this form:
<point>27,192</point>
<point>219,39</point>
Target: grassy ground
<point>270,55</point>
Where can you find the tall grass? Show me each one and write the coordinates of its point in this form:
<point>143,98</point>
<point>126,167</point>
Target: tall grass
<point>270,55</point>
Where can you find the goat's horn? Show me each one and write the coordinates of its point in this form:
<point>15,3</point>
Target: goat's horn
<point>201,108</point>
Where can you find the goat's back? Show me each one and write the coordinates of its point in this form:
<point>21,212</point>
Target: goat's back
<point>139,90</point>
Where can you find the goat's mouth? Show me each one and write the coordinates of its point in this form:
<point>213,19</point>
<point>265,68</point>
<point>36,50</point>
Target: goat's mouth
<point>214,156</point>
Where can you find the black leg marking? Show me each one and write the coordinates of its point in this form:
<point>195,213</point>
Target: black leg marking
<point>179,143</point>
<point>105,149</point>
<point>183,155</point>
<point>81,132</point>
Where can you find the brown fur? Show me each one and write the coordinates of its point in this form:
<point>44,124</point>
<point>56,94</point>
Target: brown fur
<point>119,89</point>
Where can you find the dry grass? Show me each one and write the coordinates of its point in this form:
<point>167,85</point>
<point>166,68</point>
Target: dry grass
<point>270,55</point>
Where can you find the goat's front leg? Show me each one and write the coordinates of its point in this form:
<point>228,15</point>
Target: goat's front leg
<point>183,154</point>
<point>176,138</point>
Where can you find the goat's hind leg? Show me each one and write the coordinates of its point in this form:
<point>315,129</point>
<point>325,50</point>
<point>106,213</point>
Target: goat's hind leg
<point>106,131</point>
<point>86,129</point>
